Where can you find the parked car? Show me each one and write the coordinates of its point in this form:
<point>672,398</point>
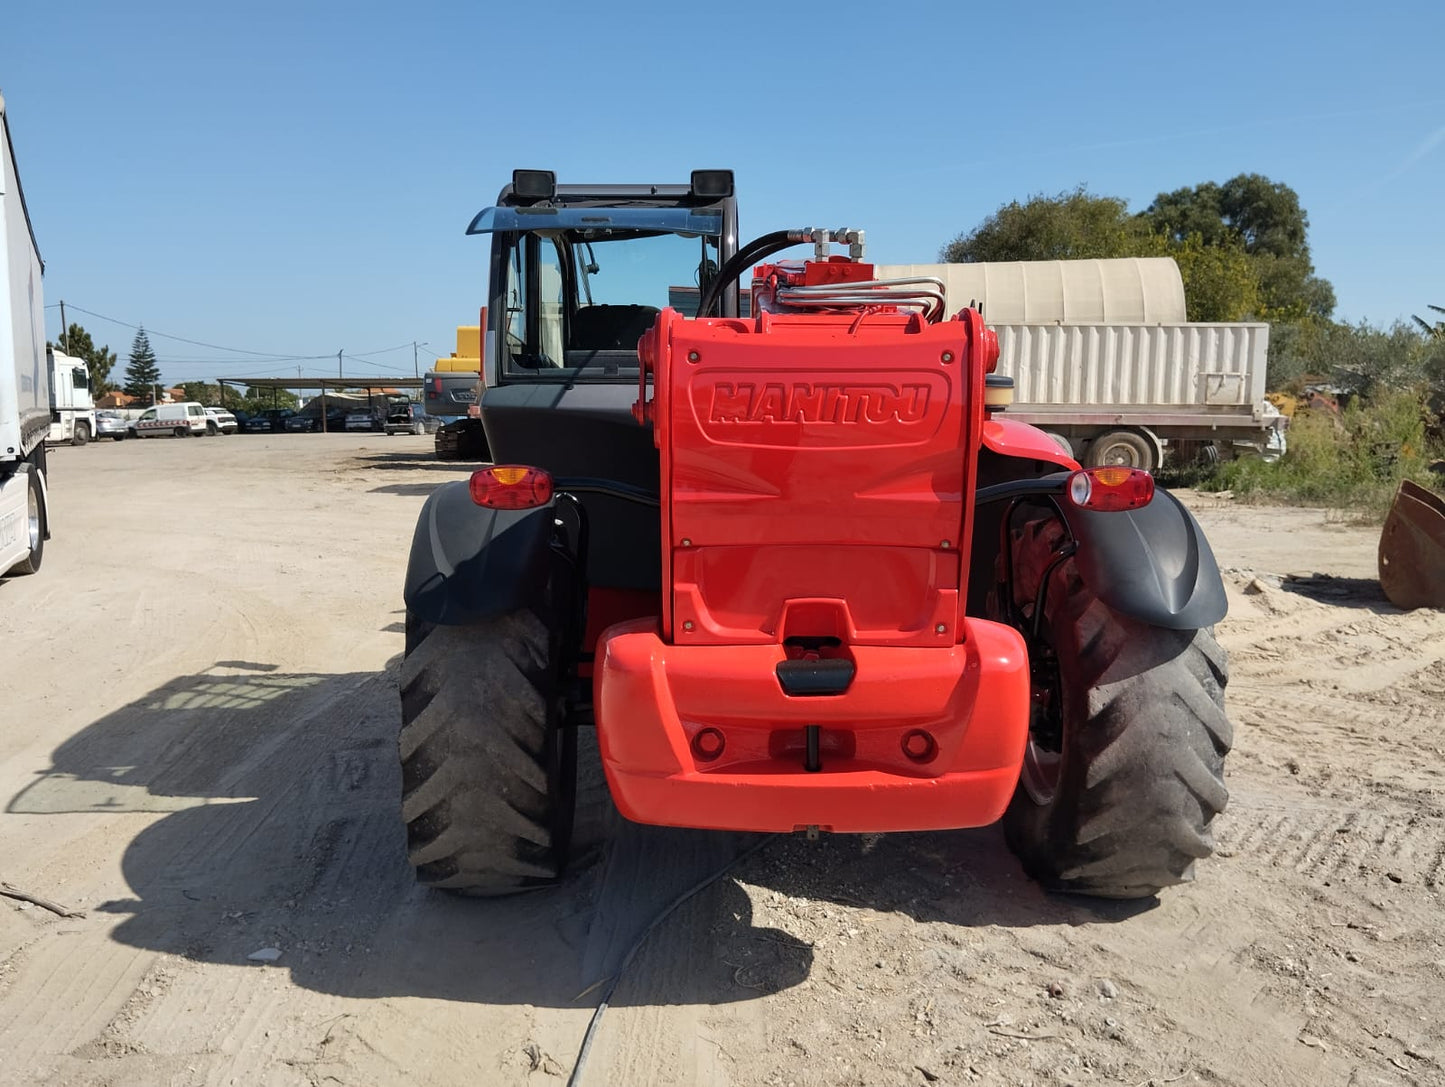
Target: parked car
<point>361,419</point>
<point>270,421</point>
<point>112,424</point>
<point>224,419</point>
<point>301,423</point>
<point>411,419</point>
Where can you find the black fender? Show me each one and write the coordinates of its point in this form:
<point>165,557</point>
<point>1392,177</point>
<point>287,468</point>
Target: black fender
<point>470,563</point>
<point>1152,563</point>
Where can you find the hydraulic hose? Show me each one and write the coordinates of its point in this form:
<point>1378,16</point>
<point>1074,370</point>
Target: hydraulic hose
<point>735,265</point>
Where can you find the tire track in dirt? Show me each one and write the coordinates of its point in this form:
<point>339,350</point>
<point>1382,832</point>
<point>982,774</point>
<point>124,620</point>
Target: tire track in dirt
<point>1330,843</point>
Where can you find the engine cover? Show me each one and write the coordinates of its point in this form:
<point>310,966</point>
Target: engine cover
<point>817,475</point>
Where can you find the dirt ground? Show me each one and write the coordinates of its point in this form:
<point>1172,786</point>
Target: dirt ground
<point>197,725</point>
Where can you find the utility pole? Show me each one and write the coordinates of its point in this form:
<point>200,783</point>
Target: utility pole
<point>415,369</point>
<point>338,363</point>
<point>64,328</point>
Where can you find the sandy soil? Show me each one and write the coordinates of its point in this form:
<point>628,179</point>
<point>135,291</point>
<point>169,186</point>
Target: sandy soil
<point>199,711</point>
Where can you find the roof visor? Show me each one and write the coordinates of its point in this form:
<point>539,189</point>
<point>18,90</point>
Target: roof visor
<point>672,220</point>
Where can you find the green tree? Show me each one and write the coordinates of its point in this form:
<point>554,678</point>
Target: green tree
<point>1435,331</point>
<point>258,400</point>
<point>142,375</point>
<point>98,360</point>
<point>1220,283</point>
<point>1073,225</point>
<point>1266,219</point>
<point>1219,280</point>
<point>202,392</point>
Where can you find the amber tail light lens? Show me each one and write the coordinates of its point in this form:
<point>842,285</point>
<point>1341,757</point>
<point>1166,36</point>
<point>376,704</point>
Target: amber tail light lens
<point>1109,490</point>
<point>511,487</point>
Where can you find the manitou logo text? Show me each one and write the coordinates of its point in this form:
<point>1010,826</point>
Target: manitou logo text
<point>803,402</point>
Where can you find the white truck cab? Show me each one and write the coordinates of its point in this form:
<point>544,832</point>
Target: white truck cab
<point>181,420</point>
<point>72,409</point>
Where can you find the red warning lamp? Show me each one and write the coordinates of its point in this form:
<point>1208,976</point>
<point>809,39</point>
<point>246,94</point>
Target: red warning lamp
<point>511,487</point>
<point>1109,490</point>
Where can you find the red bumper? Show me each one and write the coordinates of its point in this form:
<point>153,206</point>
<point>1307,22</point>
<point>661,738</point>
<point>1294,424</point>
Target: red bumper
<point>653,699</point>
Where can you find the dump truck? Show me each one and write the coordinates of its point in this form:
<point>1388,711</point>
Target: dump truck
<point>1105,362</point>
<point>801,571</point>
<point>25,412</point>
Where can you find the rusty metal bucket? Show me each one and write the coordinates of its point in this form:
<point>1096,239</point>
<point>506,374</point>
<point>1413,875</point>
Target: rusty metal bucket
<point>1412,549</point>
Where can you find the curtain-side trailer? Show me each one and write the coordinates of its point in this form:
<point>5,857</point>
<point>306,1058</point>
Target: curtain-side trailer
<point>1103,359</point>
<point>24,378</point>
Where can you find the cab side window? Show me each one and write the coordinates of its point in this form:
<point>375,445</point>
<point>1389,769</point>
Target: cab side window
<point>534,333</point>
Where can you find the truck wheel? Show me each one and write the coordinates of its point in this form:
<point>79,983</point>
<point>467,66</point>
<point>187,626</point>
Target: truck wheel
<point>1124,769</point>
<point>1065,446</point>
<point>34,525</point>
<point>212,430</point>
<point>1122,449</point>
<point>81,435</point>
<point>182,432</point>
<point>488,775</point>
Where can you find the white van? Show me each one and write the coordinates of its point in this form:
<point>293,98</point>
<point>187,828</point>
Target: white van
<point>181,419</point>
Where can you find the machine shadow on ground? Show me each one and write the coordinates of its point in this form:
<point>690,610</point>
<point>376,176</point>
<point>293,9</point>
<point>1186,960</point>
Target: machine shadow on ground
<point>407,460</point>
<point>408,490</point>
<point>278,802</point>
<point>1341,592</point>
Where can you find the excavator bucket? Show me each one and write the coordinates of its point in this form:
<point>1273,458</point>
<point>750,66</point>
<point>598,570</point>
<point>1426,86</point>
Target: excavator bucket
<point>1412,549</point>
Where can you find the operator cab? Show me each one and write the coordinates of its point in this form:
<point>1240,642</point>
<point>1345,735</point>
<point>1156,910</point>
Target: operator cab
<point>578,274</point>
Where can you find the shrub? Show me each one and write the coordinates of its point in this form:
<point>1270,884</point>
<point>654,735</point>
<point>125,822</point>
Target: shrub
<point>1355,459</point>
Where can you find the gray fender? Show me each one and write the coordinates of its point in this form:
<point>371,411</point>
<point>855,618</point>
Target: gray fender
<point>470,563</point>
<point>1151,563</point>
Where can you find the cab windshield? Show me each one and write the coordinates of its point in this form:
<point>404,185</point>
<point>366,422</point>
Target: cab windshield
<point>576,301</point>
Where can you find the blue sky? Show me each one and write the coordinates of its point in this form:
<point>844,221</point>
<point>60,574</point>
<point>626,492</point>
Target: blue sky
<point>295,179</point>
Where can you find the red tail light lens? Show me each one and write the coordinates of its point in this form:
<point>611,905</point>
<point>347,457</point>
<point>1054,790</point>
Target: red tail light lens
<point>511,487</point>
<point>1109,490</point>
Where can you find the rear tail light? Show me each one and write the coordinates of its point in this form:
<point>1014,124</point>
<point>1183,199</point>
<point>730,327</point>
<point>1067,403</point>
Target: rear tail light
<point>1109,490</point>
<point>511,487</point>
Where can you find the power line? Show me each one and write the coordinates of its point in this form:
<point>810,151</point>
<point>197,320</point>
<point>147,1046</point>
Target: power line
<point>377,365</point>
<point>359,357</point>
<point>196,343</point>
<point>383,351</point>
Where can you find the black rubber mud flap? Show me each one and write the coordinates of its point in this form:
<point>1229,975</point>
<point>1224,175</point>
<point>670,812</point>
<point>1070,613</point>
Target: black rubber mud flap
<point>469,563</point>
<point>1153,563</point>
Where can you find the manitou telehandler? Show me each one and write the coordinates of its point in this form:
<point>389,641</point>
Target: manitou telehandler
<point>799,569</point>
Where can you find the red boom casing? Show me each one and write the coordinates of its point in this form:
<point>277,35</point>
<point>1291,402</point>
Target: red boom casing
<point>817,482</point>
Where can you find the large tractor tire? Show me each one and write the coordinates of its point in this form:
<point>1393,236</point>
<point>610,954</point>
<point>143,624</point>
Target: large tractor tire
<point>1124,770</point>
<point>488,773</point>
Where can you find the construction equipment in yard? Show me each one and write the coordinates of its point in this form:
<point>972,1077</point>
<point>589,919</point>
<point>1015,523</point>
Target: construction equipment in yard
<point>1412,549</point>
<point>800,570</point>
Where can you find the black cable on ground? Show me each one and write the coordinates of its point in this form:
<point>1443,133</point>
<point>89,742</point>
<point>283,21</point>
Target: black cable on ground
<point>575,1079</point>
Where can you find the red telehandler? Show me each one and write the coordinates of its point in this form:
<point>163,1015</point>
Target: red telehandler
<point>797,567</point>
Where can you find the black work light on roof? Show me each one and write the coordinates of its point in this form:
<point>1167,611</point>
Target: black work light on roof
<point>534,184</point>
<point>712,184</point>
